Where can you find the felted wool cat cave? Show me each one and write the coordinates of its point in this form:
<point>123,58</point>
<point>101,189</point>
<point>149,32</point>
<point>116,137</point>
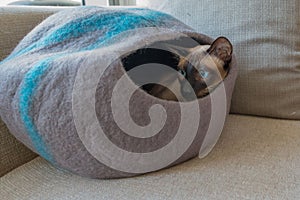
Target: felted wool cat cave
<point>68,94</point>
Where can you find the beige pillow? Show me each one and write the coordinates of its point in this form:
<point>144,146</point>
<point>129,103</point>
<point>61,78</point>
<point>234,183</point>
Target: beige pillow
<point>266,38</point>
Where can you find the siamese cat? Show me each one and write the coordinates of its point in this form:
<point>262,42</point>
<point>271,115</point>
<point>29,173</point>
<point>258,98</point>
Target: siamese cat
<point>204,67</point>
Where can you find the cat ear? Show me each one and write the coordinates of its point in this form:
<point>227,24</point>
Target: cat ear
<point>221,48</point>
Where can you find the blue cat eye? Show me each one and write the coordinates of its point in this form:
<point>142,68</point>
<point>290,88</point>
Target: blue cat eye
<point>203,73</point>
<point>182,72</point>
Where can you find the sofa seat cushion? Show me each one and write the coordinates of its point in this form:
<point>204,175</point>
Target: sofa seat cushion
<point>255,158</point>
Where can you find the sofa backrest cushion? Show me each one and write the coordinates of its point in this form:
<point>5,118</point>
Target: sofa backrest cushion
<point>265,35</point>
<point>16,22</point>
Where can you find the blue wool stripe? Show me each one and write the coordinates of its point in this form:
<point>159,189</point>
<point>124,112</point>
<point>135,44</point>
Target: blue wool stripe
<point>113,21</point>
<point>28,87</point>
<point>126,23</point>
<point>79,27</point>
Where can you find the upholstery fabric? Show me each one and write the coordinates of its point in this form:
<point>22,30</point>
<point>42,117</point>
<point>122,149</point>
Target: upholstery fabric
<point>265,35</point>
<point>255,158</point>
<point>16,22</point>
<point>12,152</point>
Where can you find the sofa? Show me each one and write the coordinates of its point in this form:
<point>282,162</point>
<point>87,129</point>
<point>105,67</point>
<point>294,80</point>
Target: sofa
<point>256,157</point>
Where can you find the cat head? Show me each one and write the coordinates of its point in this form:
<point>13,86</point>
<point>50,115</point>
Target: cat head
<point>206,66</point>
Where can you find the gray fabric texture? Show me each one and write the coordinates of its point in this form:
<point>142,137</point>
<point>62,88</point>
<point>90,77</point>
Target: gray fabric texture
<point>265,35</point>
<point>37,89</point>
<point>15,23</point>
<point>255,158</point>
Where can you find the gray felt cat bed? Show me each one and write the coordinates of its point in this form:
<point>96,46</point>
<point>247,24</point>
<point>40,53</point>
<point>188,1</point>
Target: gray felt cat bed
<point>67,94</point>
